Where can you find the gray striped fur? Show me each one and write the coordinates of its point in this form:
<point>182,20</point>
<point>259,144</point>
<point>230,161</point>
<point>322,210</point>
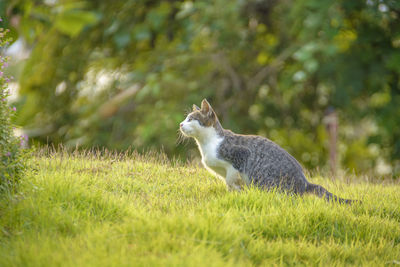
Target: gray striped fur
<point>264,163</point>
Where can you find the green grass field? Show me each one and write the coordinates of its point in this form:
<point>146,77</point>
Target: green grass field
<point>132,210</point>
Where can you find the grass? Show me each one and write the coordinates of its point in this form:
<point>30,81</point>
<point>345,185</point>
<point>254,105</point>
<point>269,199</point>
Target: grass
<point>131,210</point>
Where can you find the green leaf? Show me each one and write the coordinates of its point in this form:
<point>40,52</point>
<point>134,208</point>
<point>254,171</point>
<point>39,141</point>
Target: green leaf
<point>72,22</point>
<point>141,33</point>
<point>122,39</point>
<point>393,62</point>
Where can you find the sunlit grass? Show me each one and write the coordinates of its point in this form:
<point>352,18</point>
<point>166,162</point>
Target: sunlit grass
<point>123,210</point>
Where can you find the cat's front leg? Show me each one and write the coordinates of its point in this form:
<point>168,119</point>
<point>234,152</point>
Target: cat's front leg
<point>233,179</point>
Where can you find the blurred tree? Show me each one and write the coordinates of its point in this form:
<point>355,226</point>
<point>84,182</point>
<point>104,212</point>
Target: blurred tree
<point>121,73</point>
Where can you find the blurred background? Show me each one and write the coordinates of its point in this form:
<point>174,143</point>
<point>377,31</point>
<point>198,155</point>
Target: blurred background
<point>320,78</point>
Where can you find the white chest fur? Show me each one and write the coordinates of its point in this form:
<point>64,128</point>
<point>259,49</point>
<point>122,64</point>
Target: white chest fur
<point>209,150</point>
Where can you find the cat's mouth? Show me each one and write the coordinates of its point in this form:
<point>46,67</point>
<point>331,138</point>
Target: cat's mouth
<point>185,132</point>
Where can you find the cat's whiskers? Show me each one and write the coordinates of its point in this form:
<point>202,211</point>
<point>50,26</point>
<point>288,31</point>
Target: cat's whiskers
<point>182,139</point>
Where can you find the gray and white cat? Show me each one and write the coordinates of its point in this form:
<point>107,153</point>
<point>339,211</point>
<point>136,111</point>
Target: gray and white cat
<point>246,159</point>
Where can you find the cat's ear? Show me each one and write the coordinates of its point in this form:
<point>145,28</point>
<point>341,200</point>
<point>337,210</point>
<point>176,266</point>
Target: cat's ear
<point>205,106</point>
<point>195,108</point>
<point>207,109</point>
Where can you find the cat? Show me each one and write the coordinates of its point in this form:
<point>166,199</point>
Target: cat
<point>247,159</point>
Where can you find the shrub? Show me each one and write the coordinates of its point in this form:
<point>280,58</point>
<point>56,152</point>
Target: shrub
<point>12,154</point>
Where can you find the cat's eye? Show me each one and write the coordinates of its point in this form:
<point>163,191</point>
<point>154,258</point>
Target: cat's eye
<point>189,119</point>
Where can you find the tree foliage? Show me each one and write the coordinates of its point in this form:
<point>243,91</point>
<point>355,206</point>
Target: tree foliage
<point>121,73</point>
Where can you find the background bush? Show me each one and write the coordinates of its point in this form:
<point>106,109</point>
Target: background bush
<point>121,73</point>
<point>11,155</point>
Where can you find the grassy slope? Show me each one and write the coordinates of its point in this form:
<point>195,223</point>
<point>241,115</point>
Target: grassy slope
<point>88,211</point>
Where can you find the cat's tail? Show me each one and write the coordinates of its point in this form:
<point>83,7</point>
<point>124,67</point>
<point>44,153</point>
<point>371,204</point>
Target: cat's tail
<point>323,193</point>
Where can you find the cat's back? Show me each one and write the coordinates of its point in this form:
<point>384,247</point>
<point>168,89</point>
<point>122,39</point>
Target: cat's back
<point>258,146</point>
<point>261,159</point>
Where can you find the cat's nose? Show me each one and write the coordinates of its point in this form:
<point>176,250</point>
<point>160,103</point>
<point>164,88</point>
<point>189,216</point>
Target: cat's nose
<point>180,125</point>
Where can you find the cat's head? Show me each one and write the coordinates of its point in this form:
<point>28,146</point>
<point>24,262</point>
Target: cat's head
<point>199,120</point>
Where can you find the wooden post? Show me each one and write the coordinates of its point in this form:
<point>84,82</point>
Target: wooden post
<point>331,121</point>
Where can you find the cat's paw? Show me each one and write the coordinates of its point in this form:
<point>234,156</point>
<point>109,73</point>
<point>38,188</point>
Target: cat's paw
<point>234,187</point>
